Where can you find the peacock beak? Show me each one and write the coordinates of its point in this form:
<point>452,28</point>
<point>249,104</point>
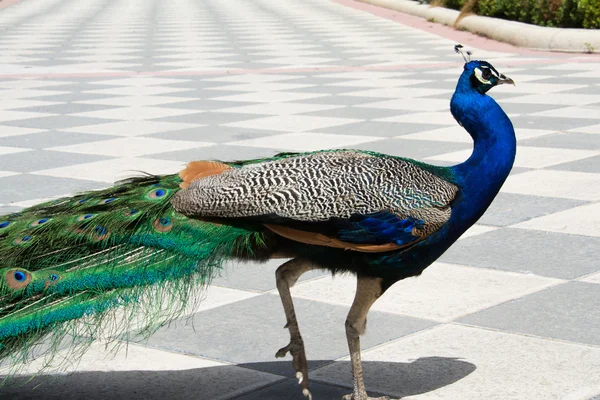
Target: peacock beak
<point>505,79</point>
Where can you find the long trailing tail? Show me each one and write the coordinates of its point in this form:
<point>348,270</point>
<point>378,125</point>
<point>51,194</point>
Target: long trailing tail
<point>67,263</point>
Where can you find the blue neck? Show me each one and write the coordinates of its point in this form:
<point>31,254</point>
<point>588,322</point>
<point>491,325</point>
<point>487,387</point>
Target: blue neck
<point>481,176</point>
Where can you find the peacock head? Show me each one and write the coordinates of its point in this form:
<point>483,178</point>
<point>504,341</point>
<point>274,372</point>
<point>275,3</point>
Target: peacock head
<point>482,75</point>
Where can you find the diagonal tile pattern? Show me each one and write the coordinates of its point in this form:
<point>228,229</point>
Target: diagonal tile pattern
<point>94,90</point>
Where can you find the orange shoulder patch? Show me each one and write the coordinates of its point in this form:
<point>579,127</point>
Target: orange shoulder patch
<point>322,240</point>
<point>200,169</point>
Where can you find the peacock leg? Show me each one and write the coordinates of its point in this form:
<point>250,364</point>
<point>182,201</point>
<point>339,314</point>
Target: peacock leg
<point>287,275</point>
<point>367,291</point>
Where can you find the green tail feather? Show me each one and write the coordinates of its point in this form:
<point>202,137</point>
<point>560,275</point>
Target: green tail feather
<point>84,256</point>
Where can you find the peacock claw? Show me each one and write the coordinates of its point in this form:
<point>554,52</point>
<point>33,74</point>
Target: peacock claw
<point>299,362</point>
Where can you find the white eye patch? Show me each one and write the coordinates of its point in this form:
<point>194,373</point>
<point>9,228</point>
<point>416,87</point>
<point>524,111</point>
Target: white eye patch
<point>483,74</point>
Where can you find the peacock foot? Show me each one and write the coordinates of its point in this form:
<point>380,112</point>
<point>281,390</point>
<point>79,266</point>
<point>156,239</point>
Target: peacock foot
<point>296,349</point>
<point>363,397</point>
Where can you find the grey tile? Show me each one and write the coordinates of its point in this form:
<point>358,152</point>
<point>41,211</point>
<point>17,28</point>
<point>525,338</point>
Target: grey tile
<point>209,117</point>
<point>509,208</point>
<point>379,128</point>
<point>587,89</point>
<point>317,80</point>
<point>221,152</point>
<point>255,276</point>
<point>36,160</point>
<point>5,210</point>
<point>528,108</point>
<point>333,90</point>
<point>357,112</point>
<point>550,123</point>
<point>571,140</point>
<point>27,186</point>
<point>73,97</point>
<point>212,383</point>
<point>67,108</point>
<point>221,134</point>
<point>590,164</point>
<point>542,253</point>
<point>57,122</point>
<point>205,104</point>
<point>44,140</point>
<point>339,99</point>
<point>567,312</point>
<point>417,149</point>
<point>251,331</point>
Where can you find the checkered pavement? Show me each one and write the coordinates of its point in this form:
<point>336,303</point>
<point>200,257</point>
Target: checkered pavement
<point>93,90</point>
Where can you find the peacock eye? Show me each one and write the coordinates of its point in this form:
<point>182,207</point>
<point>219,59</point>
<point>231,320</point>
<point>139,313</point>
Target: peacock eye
<point>486,74</point>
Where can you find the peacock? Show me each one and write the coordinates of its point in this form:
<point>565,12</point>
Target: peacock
<point>135,254</point>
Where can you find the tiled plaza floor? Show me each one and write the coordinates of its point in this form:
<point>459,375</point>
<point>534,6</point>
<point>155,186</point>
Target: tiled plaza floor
<point>92,90</point>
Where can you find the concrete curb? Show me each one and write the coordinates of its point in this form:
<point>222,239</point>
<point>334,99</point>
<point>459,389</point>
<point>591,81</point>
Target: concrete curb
<point>515,33</point>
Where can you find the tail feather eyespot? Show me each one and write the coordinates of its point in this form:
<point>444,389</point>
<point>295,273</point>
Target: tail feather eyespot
<point>39,222</point>
<point>23,240</point>
<point>157,193</point>
<point>17,278</point>
<point>163,224</point>
<point>108,200</point>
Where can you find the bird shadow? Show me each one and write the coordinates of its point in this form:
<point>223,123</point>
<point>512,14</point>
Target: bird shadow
<point>242,381</point>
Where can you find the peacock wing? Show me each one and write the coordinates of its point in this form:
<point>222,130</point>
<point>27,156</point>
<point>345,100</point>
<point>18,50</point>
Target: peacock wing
<point>348,199</point>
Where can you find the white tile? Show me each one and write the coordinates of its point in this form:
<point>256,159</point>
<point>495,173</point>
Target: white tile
<point>7,173</point>
<point>476,230</point>
<point>443,292</point>
<point>254,78</point>
<point>135,101</point>
<point>132,128</point>
<point>260,87</point>
<point>130,147</point>
<point>582,220</point>
<point>383,83</point>
<point>434,118</point>
<point>139,81</point>
<point>572,112</point>
<point>533,87</point>
<point>305,141</point>
<point>19,103</point>
<point>138,91</point>
<point>33,202</point>
<point>12,115</point>
<point>529,157</point>
<point>411,104</point>
<point>217,296</point>
<point>6,131</point>
<point>136,113</point>
<point>130,357</point>
<point>564,184</point>
<point>455,134</point>
<point>279,108</point>
<point>113,170</point>
<point>400,93</point>
<point>291,123</point>
<point>592,129</point>
<point>523,133</point>
<point>29,83</point>
<point>595,278</point>
<point>567,99</point>
<point>11,150</point>
<point>269,97</point>
<point>478,364</point>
